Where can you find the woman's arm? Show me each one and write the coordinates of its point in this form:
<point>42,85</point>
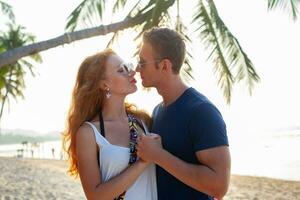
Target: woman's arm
<point>90,176</point>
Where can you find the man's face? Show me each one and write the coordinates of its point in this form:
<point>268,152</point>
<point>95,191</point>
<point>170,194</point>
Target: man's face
<point>148,66</point>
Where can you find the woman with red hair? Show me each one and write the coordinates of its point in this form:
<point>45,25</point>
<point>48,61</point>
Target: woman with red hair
<point>102,130</point>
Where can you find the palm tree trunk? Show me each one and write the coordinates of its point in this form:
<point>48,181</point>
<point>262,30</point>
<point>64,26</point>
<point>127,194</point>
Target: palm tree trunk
<point>13,55</point>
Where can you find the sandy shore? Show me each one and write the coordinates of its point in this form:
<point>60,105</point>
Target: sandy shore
<point>36,179</point>
<point>47,179</point>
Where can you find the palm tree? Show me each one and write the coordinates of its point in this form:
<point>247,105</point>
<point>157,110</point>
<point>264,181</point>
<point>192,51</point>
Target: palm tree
<point>12,75</point>
<point>231,63</point>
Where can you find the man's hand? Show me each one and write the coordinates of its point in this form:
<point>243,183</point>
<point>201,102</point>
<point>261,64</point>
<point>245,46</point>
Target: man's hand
<point>149,146</point>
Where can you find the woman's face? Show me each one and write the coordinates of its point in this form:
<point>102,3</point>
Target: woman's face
<point>120,76</point>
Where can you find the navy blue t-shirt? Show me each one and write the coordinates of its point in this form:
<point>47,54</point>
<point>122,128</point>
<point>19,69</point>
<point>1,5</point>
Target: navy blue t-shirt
<point>190,124</point>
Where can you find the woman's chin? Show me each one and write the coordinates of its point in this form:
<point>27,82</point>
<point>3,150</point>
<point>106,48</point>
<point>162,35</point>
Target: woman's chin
<point>133,90</point>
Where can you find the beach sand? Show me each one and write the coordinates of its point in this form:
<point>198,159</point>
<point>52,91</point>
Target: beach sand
<point>47,179</point>
<point>37,179</point>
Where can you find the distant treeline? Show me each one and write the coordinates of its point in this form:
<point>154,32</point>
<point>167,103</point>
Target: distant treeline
<point>11,138</point>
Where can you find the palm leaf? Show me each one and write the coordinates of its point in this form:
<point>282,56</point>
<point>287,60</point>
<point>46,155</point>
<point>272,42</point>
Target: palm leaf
<point>289,5</point>
<point>87,11</point>
<point>7,10</point>
<point>135,9</point>
<point>119,4</point>
<point>29,66</point>
<point>235,55</point>
<point>2,84</point>
<point>36,57</point>
<point>159,12</point>
<point>209,37</point>
<point>182,29</point>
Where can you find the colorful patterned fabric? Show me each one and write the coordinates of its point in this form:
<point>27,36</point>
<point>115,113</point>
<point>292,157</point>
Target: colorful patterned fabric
<point>135,128</point>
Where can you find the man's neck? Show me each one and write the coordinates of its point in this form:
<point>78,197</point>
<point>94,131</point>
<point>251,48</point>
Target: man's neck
<point>171,90</point>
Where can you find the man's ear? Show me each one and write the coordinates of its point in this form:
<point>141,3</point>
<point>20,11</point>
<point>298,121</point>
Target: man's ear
<point>166,65</point>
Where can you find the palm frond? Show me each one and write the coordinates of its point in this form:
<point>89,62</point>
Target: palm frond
<point>7,10</point>
<point>134,10</point>
<point>119,4</point>
<point>85,12</point>
<point>289,5</point>
<point>182,29</point>
<point>2,84</point>
<point>235,55</point>
<point>158,10</point>
<point>37,58</point>
<point>3,71</point>
<point>113,39</point>
<point>29,66</point>
<point>209,37</point>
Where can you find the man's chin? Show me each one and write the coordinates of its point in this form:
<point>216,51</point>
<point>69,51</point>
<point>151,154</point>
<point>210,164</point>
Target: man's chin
<point>145,85</point>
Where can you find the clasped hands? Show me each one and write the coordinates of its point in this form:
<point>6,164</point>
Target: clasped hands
<point>148,147</point>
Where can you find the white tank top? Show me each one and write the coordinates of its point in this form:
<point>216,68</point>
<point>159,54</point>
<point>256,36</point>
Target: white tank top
<point>114,159</point>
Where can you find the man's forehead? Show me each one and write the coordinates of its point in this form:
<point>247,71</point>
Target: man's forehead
<point>145,51</point>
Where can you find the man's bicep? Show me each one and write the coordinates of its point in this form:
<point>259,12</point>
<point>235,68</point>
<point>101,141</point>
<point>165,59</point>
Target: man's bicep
<point>217,159</point>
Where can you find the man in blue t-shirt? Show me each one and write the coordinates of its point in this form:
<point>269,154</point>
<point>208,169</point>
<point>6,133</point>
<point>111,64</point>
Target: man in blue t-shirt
<point>191,149</point>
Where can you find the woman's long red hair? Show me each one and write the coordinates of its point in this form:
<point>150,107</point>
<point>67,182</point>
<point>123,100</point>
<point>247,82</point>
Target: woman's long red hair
<point>87,99</point>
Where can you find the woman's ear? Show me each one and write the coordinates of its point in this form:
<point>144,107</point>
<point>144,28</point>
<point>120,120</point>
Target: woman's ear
<point>103,85</point>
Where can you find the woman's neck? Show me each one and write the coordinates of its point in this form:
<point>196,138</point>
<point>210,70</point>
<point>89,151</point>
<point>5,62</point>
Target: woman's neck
<point>114,109</point>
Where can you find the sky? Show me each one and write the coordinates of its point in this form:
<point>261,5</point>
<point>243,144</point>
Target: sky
<point>270,39</point>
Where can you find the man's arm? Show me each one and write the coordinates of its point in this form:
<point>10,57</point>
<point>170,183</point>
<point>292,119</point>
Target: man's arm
<point>211,176</point>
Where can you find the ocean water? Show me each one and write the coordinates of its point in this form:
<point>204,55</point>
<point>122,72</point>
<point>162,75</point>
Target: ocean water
<point>42,150</point>
<point>275,155</point>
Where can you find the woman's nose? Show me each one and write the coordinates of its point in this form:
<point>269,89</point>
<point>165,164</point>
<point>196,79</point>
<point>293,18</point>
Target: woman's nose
<point>132,73</point>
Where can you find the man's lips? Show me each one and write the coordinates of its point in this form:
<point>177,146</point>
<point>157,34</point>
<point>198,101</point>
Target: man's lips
<point>133,81</point>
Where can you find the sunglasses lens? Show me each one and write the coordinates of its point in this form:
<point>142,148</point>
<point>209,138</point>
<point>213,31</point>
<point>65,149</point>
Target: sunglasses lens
<point>128,67</point>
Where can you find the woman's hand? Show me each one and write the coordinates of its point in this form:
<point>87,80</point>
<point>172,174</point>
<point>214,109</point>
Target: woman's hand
<point>149,146</point>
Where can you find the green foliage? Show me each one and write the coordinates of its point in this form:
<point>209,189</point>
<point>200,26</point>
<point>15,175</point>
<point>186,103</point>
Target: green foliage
<point>87,11</point>
<point>12,76</point>
<point>288,5</point>
<point>7,10</point>
<point>231,63</point>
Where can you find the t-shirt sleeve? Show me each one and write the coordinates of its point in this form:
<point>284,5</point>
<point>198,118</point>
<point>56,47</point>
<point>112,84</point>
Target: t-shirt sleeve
<point>207,127</point>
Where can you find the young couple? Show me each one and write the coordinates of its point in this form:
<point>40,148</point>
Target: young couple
<point>185,155</point>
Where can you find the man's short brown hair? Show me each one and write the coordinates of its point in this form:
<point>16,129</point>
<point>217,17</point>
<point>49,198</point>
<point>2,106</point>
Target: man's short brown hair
<point>167,44</point>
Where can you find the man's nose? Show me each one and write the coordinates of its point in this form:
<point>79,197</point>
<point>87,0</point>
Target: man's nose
<point>137,68</point>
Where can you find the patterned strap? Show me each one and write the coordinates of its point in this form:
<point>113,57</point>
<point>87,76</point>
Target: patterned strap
<point>134,124</point>
<point>134,132</point>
